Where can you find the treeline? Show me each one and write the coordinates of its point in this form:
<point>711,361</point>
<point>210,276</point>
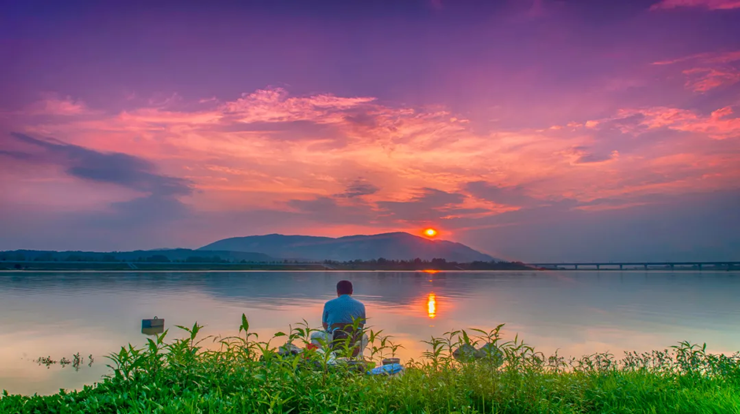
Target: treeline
<point>185,256</point>
<point>109,258</point>
<point>157,256</point>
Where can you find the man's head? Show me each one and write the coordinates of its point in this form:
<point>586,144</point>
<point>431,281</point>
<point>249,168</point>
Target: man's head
<point>344,287</point>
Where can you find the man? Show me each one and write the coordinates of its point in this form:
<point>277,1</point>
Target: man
<point>340,312</point>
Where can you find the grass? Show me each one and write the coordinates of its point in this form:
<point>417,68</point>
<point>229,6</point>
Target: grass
<point>244,375</point>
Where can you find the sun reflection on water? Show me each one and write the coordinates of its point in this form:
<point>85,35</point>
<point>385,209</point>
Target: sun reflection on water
<point>432,306</point>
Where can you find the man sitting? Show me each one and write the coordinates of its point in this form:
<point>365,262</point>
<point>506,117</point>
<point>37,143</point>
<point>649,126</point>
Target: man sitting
<point>338,317</point>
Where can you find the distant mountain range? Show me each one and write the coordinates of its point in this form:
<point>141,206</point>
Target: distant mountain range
<point>392,246</point>
<point>277,247</point>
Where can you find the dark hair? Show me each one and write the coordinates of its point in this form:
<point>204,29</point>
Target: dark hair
<point>344,287</point>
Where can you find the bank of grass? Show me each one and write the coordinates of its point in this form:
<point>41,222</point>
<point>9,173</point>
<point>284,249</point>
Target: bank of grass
<point>248,375</point>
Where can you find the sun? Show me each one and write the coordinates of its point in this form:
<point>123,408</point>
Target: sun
<point>430,232</point>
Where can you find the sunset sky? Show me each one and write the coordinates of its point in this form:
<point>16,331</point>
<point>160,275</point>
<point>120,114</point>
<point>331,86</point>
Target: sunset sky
<point>535,130</point>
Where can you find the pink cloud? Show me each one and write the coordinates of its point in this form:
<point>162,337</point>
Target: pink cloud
<point>708,4</point>
<point>718,125</point>
<point>707,71</point>
<point>274,105</point>
<point>250,154</point>
<point>717,57</point>
<point>705,79</point>
<point>164,101</point>
<point>52,104</point>
<point>583,155</point>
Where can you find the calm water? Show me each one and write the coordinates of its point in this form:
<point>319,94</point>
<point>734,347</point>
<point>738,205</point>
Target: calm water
<point>60,314</point>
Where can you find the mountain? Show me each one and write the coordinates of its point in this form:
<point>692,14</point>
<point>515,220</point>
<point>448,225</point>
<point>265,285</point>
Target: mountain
<point>145,255</point>
<point>392,246</point>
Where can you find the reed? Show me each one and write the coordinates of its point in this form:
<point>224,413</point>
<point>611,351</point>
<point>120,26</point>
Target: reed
<point>243,374</point>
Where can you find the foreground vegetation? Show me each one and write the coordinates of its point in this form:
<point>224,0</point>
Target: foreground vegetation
<point>243,374</point>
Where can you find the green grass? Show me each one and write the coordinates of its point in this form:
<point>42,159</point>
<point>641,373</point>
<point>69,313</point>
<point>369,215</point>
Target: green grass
<point>244,375</point>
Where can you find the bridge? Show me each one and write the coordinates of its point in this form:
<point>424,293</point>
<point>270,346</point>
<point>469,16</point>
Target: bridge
<point>640,265</point>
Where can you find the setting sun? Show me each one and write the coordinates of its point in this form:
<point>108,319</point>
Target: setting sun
<point>430,232</point>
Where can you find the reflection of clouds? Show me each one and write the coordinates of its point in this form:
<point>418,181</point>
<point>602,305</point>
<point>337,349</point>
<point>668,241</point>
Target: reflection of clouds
<point>617,341</point>
<point>266,288</point>
<point>577,313</point>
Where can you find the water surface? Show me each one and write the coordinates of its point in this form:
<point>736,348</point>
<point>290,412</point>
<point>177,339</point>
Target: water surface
<point>576,313</point>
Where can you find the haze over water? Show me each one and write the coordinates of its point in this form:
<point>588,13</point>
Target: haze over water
<point>577,313</point>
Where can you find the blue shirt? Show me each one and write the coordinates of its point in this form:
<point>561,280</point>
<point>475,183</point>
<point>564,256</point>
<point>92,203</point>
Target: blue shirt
<point>342,310</point>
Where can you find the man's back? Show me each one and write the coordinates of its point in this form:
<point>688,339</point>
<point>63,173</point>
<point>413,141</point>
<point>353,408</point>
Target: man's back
<point>342,310</point>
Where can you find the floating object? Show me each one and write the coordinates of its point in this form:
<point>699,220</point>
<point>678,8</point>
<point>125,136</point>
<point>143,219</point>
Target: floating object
<point>152,326</point>
<point>390,369</point>
<point>152,323</point>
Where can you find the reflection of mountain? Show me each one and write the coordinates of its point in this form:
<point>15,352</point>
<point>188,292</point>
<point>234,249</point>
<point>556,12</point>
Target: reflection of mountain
<point>392,246</point>
<point>263,289</point>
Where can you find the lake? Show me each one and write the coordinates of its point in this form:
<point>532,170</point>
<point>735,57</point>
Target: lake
<point>60,314</point>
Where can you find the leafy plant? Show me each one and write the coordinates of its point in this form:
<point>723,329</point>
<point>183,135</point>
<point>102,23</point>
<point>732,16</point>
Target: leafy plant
<point>243,374</point>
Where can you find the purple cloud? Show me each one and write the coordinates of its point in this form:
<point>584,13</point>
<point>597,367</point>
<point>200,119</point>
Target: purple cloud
<point>113,168</point>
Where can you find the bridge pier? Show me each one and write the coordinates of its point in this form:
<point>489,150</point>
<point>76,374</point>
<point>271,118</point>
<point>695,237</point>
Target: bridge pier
<point>645,266</point>
<point>576,267</point>
<point>598,267</point>
<point>621,266</point>
<point>699,264</point>
<point>671,266</point>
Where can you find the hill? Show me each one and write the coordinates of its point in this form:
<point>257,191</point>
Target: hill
<point>392,246</point>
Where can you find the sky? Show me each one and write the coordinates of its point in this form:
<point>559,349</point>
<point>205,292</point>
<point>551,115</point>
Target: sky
<point>534,130</point>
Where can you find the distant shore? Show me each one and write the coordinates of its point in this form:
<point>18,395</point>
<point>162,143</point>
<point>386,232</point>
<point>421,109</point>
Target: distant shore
<point>226,267</point>
<point>97,267</point>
